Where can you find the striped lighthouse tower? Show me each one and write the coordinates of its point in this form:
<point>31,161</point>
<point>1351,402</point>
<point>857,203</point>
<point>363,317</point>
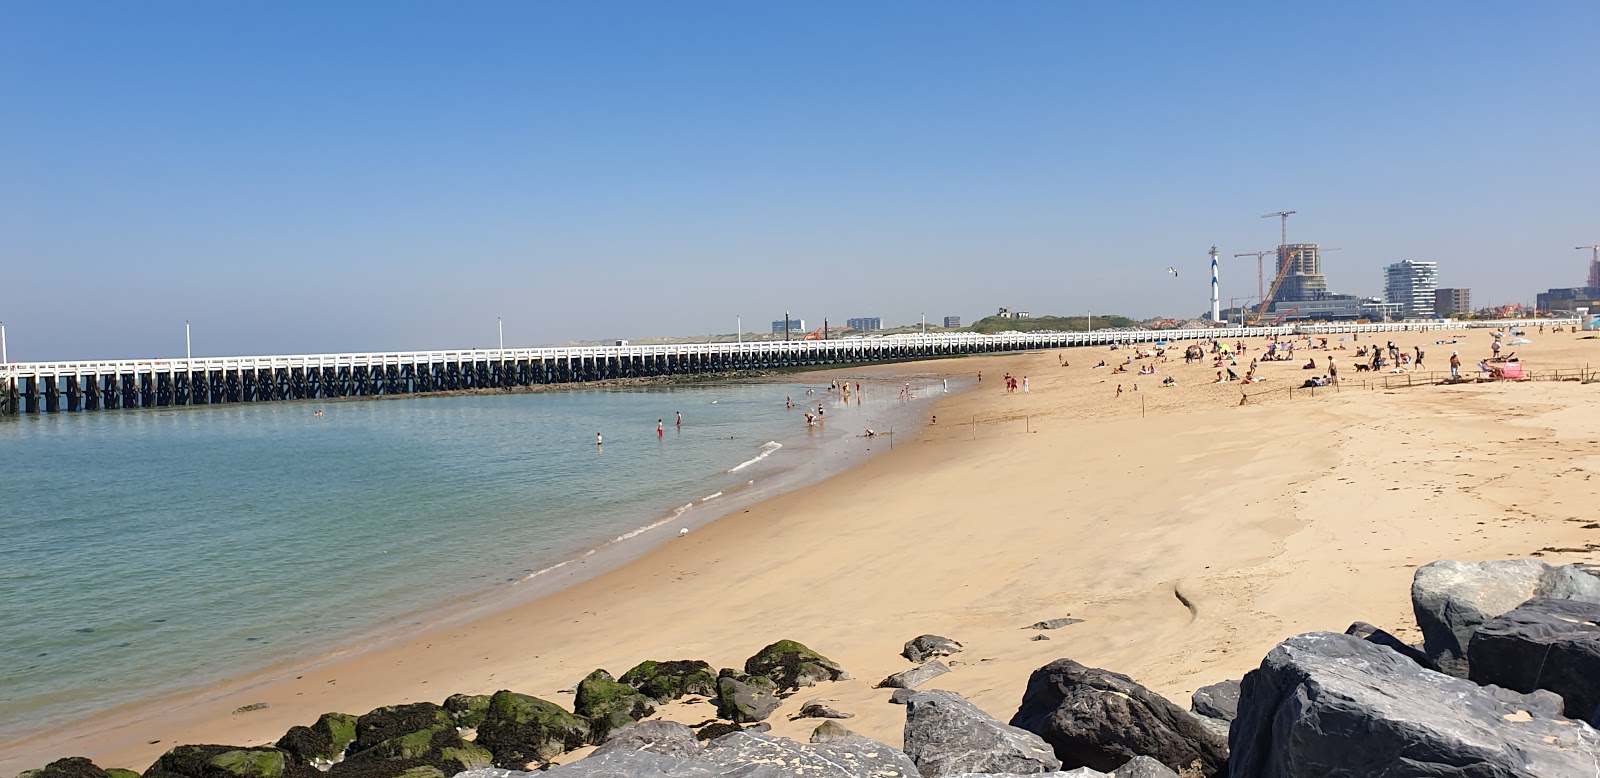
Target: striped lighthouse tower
<point>1216,292</point>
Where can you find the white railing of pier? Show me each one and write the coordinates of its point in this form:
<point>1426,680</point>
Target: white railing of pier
<point>914,341</point>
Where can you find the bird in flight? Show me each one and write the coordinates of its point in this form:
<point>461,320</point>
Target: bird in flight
<point>1173,271</point>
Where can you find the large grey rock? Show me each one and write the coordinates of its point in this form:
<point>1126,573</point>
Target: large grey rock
<point>1144,767</point>
<point>745,698</point>
<point>1100,719</point>
<point>916,676</point>
<point>849,758</point>
<point>924,647</point>
<point>1543,644</point>
<point>1372,634</point>
<point>1218,701</point>
<point>1452,599</point>
<point>666,738</point>
<point>1539,701</point>
<point>817,709</point>
<point>639,764</point>
<point>1331,704</point>
<point>1082,772</point>
<point>946,735</point>
<point>831,731</point>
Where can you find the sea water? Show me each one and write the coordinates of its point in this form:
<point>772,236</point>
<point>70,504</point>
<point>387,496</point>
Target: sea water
<point>149,551</point>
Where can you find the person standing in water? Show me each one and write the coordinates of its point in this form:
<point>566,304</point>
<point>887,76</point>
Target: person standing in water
<point>659,430</point>
<point>598,441</point>
<point>680,419</point>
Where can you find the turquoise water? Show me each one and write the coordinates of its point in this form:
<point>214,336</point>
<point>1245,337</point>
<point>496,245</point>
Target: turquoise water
<point>150,551</point>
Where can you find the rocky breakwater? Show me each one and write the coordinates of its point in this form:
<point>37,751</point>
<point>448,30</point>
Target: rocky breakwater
<point>1360,703</point>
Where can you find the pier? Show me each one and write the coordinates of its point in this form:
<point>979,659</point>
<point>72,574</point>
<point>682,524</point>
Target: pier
<point>57,387</point>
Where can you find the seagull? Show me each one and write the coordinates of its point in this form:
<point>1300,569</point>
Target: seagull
<point>1173,271</point>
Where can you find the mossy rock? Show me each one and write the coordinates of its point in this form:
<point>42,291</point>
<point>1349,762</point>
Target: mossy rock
<point>608,705</point>
<point>324,741</point>
<point>387,768</point>
<point>520,729</point>
<point>70,767</point>
<point>745,698</point>
<point>662,681</point>
<point>791,665</point>
<point>445,753</point>
<point>214,761</point>
<point>399,721</point>
<point>468,710</point>
<point>717,729</point>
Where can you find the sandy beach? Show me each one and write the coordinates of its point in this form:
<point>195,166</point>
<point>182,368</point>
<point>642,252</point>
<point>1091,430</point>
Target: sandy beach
<point>1188,531</point>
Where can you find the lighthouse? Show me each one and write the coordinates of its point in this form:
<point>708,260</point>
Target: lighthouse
<point>1216,292</point>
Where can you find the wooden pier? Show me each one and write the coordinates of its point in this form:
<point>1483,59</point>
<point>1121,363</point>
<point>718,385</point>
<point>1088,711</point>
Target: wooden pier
<point>56,387</point>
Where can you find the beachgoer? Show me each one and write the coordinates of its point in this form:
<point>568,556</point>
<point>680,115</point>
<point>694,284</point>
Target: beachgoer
<point>1024,384</point>
<point>659,431</point>
<point>788,402</point>
<point>935,420</point>
<point>946,385</point>
<point>598,440</point>
<point>1495,347</point>
<point>1418,360</point>
<point>680,417</point>
<point>1455,365</point>
<point>1119,390</point>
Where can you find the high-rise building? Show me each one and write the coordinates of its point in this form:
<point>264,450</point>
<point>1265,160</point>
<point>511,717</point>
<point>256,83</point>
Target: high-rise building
<point>796,326</point>
<point>951,322</point>
<point>1411,284</point>
<point>1303,279</point>
<point>1450,300</point>
<point>865,323</point>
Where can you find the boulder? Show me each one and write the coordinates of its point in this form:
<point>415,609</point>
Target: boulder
<point>745,698</point>
<point>467,710</point>
<point>924,647</point>
<point>1100,719</point>
<point>519,729</point>
<point>608,705</point>
<point>1372,634</point>
<point>1543,644</point>
<point>324,742</point>
<point>831,732</point>
<point>946,735</point>
<point>817,709</point>
<point>716,729</point>
<point>1218,701</point>
<point>1144,767</point>
<point>849,758</point>
<point>901,695</point>
<point>400,728</point>
<point>214,761</point>
<point>70,767</point>
<point>662,681</point>
<point>916,676</point>
<point>1331,704</point>
<point>791,665</point>
<point>636,764</point>
<point>1055,623</point>
<point>1081,772</point>
<point>1540,701</point>
<point>393,740</point>
<point>1452,599</point>
<point>666,738</point>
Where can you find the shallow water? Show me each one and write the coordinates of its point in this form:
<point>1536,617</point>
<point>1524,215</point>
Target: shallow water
<point>150,551</point>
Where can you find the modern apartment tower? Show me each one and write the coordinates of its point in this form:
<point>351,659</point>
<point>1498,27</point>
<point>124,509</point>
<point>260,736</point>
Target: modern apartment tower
<point>1449,301</point>
<point>952,322</point>
<point>1411,284</point>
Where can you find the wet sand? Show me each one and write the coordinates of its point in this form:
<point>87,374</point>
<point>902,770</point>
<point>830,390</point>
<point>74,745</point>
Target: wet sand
<point>1189,532</point>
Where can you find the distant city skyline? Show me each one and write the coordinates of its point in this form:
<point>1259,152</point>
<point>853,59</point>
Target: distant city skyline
<point>382,176</point>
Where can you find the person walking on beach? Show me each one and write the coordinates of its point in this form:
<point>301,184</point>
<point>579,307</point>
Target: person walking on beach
<point>1024,384</point>
<point>1455,365</point>
<point>1333,371</point>
<point>1418,361</point>
<point>1119,390</point>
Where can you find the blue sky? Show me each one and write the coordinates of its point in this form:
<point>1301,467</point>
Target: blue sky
<point>298,177</point>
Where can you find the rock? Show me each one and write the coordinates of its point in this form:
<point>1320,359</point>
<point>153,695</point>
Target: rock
<point>609,705</point>
<point>901,695</point>
<point>639,764</point>
<point>1081,772</point>
<point>520,729</point>
<point>467,710</point>
<point>70,767</point>
<point>1331,704</point>
<point>325,741</point>
<point>831,732</point>
<point>1218,701</point>
<point>817,709</point>
<point>662,681</point>
<point>745,698</point>
<point>1055,623</point>
<point>1100,719</point>
<point>666,738</point>
<point>1543,702</point>
<point>393,740</point>
<point>1217,727</point>
<point>945,735</point>
<point>924,647</point>
<point>400,726</point>
<point>791,665</point>
<point>391,768</point>
<point>916,676</point>
<point>213,761</point>
<point>1144,767</point>
<point>1372,634</point>
<point>717,729</point>
<point>1543,644</point>
<point>1452,599</point>
<point>1037,638</point>
<point>856,757</point>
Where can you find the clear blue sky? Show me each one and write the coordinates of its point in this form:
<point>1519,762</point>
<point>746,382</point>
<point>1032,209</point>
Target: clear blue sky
<point>300,177</point>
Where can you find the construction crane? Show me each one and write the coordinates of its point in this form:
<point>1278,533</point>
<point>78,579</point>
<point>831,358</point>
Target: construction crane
<point>1594,264</point>
<point>1283,272</point>
<point>1261,284</point>
<point>1284,227</point>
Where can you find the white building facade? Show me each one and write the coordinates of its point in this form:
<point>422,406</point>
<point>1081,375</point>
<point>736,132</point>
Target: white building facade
<point>1411,284</point>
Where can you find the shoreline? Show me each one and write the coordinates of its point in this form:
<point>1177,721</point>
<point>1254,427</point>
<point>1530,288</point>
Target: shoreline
<point>1068,501</point>
<point>584,564</point>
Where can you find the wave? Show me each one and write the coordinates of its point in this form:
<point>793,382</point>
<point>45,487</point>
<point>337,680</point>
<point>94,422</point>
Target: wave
<point>710,497</point>
<point>766,450</point>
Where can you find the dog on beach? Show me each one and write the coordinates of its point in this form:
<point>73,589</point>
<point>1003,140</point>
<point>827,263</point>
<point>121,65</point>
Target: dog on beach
<point>1362,368</point>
